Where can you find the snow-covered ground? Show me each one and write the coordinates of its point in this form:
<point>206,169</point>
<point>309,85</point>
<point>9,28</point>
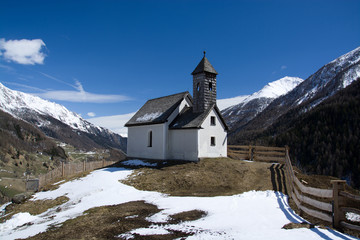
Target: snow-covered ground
<point>251,215</point>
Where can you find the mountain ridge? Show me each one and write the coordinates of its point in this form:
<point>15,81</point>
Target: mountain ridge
<point>248,106</point>
<point>57,121</point>
<point>319,86</point>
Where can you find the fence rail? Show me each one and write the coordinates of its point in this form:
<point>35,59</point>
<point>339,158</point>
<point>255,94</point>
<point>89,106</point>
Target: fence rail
<point>258,153</point>
<point>65,169</point>
<point>330,205</point>
<point>333,211</point>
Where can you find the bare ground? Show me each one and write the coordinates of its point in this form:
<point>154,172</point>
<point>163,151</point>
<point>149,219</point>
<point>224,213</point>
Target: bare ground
<point>208,177</point>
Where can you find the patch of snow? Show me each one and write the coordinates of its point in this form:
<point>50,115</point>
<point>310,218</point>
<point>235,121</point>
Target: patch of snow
<point>251,215</point>
<point>227,102</point>
<point>136,162</point>
<point>152,230</point>
<point>2,208</point>
<point>148,117</point>
<point>353,217</point>
<point>58,182</point>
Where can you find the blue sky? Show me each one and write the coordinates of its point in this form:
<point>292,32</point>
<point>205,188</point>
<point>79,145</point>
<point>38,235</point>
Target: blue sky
<point>109,57</point>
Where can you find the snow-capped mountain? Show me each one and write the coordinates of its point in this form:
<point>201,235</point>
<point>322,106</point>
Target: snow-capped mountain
<point>329,79</point>
<point>15,103</point>
<point>242,109</point>
<point>54,118</point>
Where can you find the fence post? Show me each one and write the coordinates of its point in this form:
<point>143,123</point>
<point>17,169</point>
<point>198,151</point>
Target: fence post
<point>338,185</point>
<point>62,169</point>
<point>84,165</point>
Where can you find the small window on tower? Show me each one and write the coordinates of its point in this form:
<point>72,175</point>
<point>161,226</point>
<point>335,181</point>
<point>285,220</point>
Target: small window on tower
<point>198,87</point>
<point>212,141</point>
<point>210,86</point>
<point>212,121</point>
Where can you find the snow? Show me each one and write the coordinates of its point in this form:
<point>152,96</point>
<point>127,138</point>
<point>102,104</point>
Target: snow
<point>353,217</point>
<point>251,215</point>
<point>140,163</point>
<point>340,72</point>
<point>148,117</point>
<point>271,90</point>
<point>227,102</point>
<point>58,182</point>
<point>15,103</point>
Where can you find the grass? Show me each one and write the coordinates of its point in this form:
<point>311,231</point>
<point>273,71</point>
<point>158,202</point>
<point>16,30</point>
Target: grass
<point>33,207</point>
<point>208,177</point>
<point>15,167</point>
<point>108,222</point>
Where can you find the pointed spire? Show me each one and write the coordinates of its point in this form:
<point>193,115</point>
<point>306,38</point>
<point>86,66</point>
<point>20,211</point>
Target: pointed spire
<point>204,66</point>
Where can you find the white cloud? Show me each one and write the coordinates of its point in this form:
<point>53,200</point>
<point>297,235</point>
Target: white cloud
<point>75,96</point>
<point>23,51</point>
<point>81,95</point>
<point>115,123</point>
<point>56,79</point>
<point>91,114</point>
<point>283,67</point>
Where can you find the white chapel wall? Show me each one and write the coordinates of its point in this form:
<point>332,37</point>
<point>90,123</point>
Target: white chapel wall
<point>183,144</point>
<point>218,131</point>
<point>137,145</point>
<point>138,141</point>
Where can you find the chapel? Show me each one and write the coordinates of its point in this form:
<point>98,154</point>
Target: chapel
<point>181,126</point>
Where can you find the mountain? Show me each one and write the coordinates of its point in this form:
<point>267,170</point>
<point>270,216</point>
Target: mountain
<point>324,140</point>
<point>321,85</point>
<point>58,122</point>
<point>245,108</point>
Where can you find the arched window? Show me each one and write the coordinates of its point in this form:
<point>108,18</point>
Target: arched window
<point>150,139</point>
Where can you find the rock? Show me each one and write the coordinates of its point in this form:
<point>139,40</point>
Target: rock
<point>20,198</point>
<point>298,225</point>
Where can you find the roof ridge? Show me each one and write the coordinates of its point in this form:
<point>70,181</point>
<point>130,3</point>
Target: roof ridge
<point>181,93</point>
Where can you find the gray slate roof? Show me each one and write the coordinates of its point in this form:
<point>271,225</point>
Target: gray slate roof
<point>157,110</point>
<point>188,119</point>
<point>204,66</point>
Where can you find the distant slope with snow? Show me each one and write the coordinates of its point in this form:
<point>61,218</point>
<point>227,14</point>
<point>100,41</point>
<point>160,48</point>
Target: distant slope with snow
<point>328,80</point>
<point>240,110</point>
<point>56,121</point>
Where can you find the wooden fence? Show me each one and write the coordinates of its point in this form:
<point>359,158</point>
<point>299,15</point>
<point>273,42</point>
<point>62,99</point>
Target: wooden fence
<point>258,153</point>
<point>330,205</point>
<point>66,169</point>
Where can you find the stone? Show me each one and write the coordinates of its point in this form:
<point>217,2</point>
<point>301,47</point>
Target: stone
<point>20,198</point>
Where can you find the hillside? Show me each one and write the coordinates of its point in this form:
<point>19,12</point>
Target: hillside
<point>324,140</point>
<point>26,150</point>
<point>58,122</point>
<point>101,206</point>
<point>240,110</point>
<point>329,79</point>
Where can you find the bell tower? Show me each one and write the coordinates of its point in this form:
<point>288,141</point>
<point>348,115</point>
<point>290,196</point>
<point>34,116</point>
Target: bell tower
<point>204,85</point>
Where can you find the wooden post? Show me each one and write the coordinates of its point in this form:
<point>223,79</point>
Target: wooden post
<point>62,169</point>
<point>103,163</point>
<point>84,166</point>
<point>338,185</point>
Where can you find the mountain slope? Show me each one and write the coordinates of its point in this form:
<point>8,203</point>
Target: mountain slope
<point>247,107</point>
<point>57,121</point>
<point>324,83</point>
<point>324,140</point>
